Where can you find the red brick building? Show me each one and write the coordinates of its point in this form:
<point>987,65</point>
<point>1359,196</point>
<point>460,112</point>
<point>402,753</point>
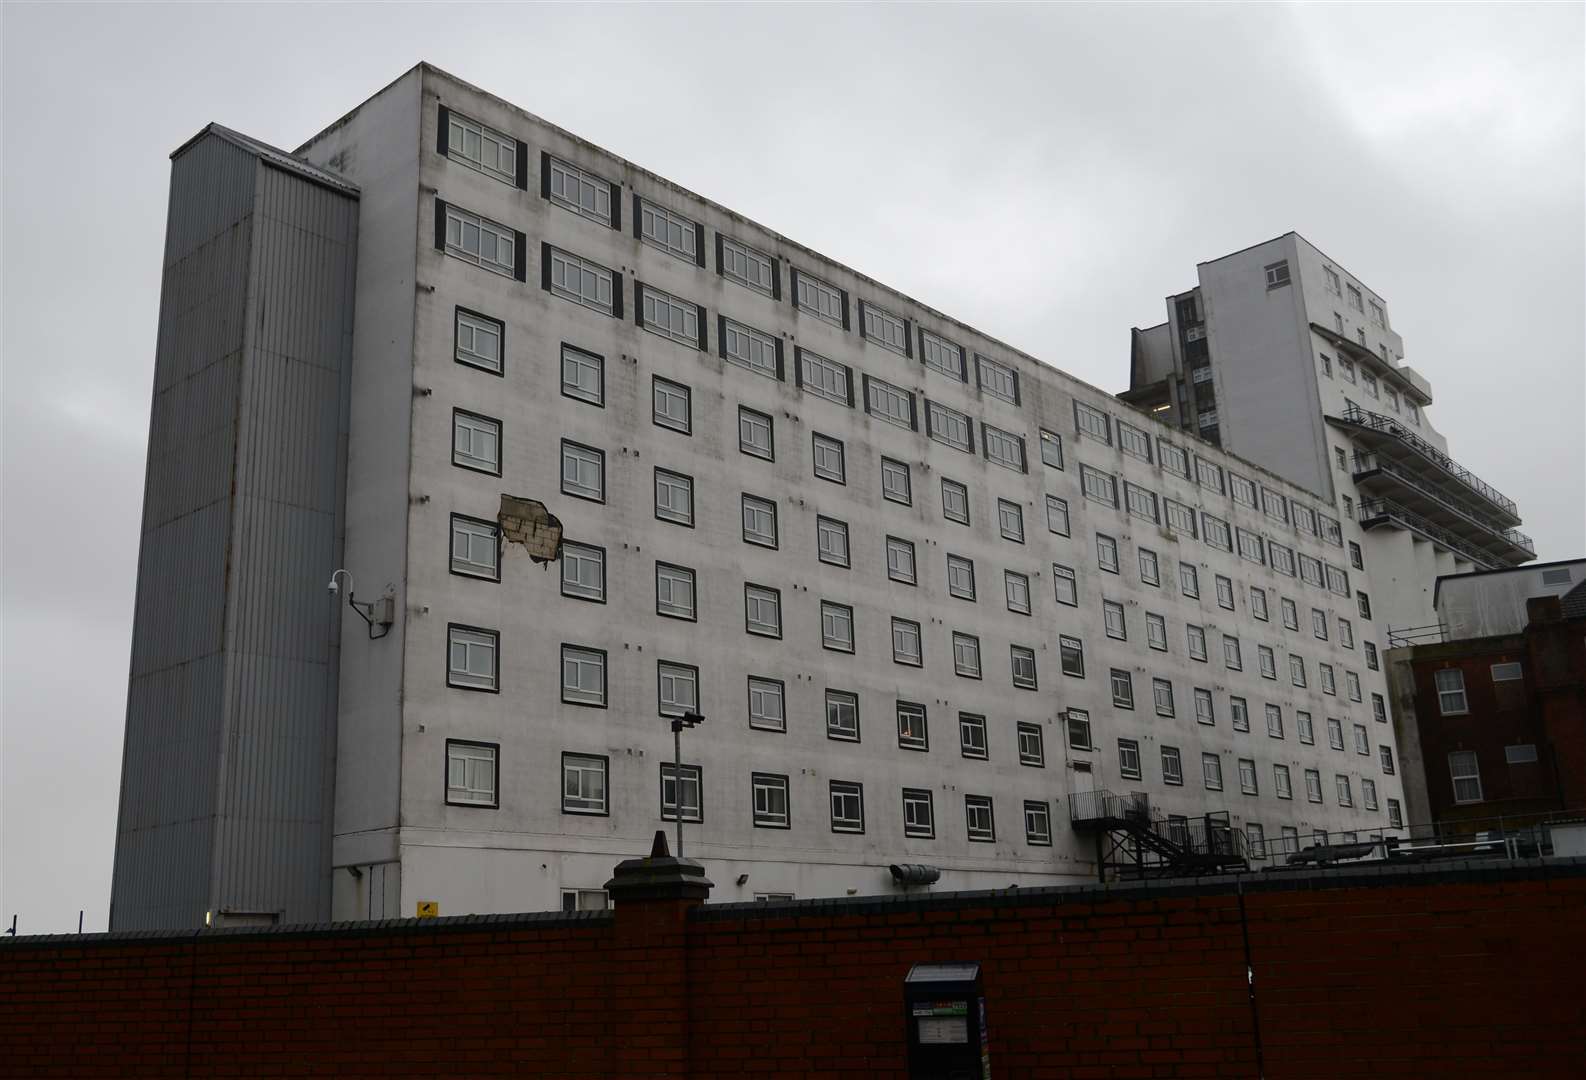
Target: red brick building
<point>1494,727</point>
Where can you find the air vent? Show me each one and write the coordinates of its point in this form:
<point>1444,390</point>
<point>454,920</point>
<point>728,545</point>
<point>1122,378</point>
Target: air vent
<point>1556,577</point>
<point>1506,672</point>
<point>1520,754</point>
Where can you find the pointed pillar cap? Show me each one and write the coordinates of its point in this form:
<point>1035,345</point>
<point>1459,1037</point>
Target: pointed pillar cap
<point>658,876</point>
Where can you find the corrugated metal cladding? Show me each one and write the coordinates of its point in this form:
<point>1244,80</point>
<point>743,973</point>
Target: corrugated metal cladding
<point>227,776</point>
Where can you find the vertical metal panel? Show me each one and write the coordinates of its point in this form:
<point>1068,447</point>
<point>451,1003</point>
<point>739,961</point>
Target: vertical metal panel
<point>231,701</point>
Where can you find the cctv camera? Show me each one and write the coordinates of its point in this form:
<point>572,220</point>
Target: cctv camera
<point>332,587</point>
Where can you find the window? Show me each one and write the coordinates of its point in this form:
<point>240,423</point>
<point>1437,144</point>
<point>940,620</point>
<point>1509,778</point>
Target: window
<point>471,769</point>
<point>478,341</point>
<point>579,191</point>
<point>476,442</point>
<point>831,542</point>
<point>1282,557</point>
<point>883,328</point>
<point>1112,616</point>
<point>1232,659</point>
<point>1091,421</point>
<point>1179,517</point>
<point>1129,759</point>
<point>848,806</point>
<point>828,457</point>
<point>762,610</point>
<point>1212,772</point>
<point>1256,838</point>
<point>960,577</point>
<point>1051,449</point>
<point>837,627</point>
<point>480,241</point>
<point>1281,783</point>
<point>1032,746</point>
<point>1395,814</point>
<point>677,688</point>
<point>1204,713</point>
<point>1267,662</point>
<point>1274,505</point>
<point>471,658</point>
<point>581,281</point>
<point>583,784</point>
<point>820,299</point>
<point>1133,441</point>
<point>1173,458</point>
<point>1369,384</point>
<point>918,819</point>
<point>900,559</point>
<point>1275,721</point>
<point>1248,783</point>
<point>1379,709</point>
<point>895,482</point>
<point>1313,785</point>
<point>748,267</point>
<point>1278,274</point>
<point>1451,700</point>
<point>749,348</point>
<point>1507,672</point>
<point>1335,733</point>
<point>1217,532</point>
<point>1172,766</point>
<point>759,521</point>
<point>1023,659</point>
<point>674,497</point>
<point>670,231</point>
<point>1016,586</point>
<point>955,501</point>
<point>1345,367</point>
<point>766,698</point>
<point>890,403</point>
<point>770,800</point>
<point>1291,614</point>
<point>476,548</point>
<point>583,676</point>
<point>997,379</point>
<point>824,378</point>
<point>682,320</point>
<point>1327,364</point>
<point>674,591</point>
<point>942,355</point>
<point>1352,684</point>
<point>1258,602</point>
<point>1162,696</point>
<point>1311,571</point>
<point>1345,796</point>
<point>672,405</point>
<point>1297,670</point>
<point>1364,603</point>
<point>1466,775</point>
<point>906,642</point>
<point>1010,517</point>
<point>1141,502</point>
<point>1064,586</point>
<point>1122,689</point>
<point>912,731</point>
<point>1079,730</point>
<point>949,426</point>
<point>1107,553</point>
<point>1302,724</point>
<point>1354,298</point>
<point>1332,280</point>
<point>1037,823</point>
<point>1071,655</point>
<point>1209,475</point>
<point>1149,571</point>
<point>972,735</point>
<point>1239,710</point>
<point>1156,631</point>
<point>1371,655</point>
<point>583,471</point>
<point>1362,741</point>
<point>470,143</point>
<point>1195,636</point>
<point>583,571</point>
<point>1520,754</point>
<point>1099,486</point>
<point>1002,448</point>
<point>755,434</point>
<point>842,715</point>
<point>1188,580</point>
<point>1225,592</point>
<point>966,655</point>
<point>685,781</point>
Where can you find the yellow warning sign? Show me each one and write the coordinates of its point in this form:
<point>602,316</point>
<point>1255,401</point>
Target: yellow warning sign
<point>428,909</point>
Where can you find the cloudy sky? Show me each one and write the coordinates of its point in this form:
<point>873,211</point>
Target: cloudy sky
<point>1046,173</point>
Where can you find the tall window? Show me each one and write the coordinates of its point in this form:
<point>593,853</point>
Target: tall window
<point>755,434</point>
<point>674,497</point>
<point>918,819</point>
<point>674,591</point>
<point>906,642</point>
<point>1212,772</point>
<point>1037,823</point>
<point>583,784</point>
<point>1466,775</point>
<point>1010,517</point>
<point>671,405</point>
<point>681,784</point>
<point>972,735</point>
<point>842,716</point>
<point>895,486</point>
<point>1032,748</point>
<point>978,814</point>
<point>828,458</point>
<point>955,501</point>
<point>770,804</point>
<point>1023,659</point>
<point>1451,699</point>
<point>759,521</point>
<point>1064,585</point>
<point>900,560</point>
<point>912,731</point>
<point>766,711</point>
<point>476,442</point>
<point>960,577</point>
<point>471,769</point>
<point>837,626</point>
<point>831,541</point>
<point>848,806</point>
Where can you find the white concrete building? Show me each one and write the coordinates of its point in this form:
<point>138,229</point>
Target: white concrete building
<point>922,586</point>
<point>1282,356</point>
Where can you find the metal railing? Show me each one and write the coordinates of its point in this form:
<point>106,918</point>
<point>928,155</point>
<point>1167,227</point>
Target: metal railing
<point>1086,806</point>
<point>1354,414</point>
<point>1206,840</point>
<point>1365,463</point>
<point>1430,634</point>
<point>1372,509</point>
<point>1519,835</point>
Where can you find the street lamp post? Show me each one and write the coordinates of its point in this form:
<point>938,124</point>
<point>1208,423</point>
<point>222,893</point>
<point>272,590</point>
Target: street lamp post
<point>688,719</point>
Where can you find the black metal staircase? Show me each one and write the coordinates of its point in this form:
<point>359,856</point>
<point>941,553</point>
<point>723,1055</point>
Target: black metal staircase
<point>1133,840</point>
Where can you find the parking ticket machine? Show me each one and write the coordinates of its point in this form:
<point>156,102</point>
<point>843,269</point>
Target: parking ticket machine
<point>946,1014</point>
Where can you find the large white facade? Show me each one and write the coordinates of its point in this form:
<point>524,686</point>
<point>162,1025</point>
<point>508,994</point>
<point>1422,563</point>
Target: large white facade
<point>460,733</point>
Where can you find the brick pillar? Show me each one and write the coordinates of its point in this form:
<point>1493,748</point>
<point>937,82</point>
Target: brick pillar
<point>650,988</point>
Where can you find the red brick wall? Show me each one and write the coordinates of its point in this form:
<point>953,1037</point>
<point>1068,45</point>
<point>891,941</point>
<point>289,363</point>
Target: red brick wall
<point>1451,972</point>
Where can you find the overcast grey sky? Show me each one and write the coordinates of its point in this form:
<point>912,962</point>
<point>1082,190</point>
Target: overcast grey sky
<point>1048,174</point>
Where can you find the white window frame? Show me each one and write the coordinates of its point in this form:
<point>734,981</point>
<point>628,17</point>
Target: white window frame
<point>949,427</point>
<point>1464,770</point>
<point>670,580</point>
<point>842,715</point>
<point>671,317</point>
<point>487,143</point>
<point>471,333</point>
<point>825,378</point>
<point>767,704</point>
<point>823,451</point>
<point>476,442</point>
<point>575,582</point>
<point>476,239</point>
<point>748,267</point>
<point>837,626</point>
<point>831,541</point>
<point>581,191</point>
<point>770,803</point>
<point>595,286</point>
<point>901,565</point>
<point>480,554</point>
<point>579,663</point>
<point>671,679</point>
<point>751,422</point>
<point>1452,700</point>
<point>586,784</point>
<point>473,658</point>
<point>473,773</point>
<point>674,497</point>
<point>762,610</point>
<point>751,349</point>
<point>759,521</point>
<point>671,405</point>
<point>668,230</point>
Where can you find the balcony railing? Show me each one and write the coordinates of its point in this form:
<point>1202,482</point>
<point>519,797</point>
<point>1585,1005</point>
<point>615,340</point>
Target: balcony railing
<point>1374,511</point>
<point>1354,414</point>
<point>1370,463</point>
